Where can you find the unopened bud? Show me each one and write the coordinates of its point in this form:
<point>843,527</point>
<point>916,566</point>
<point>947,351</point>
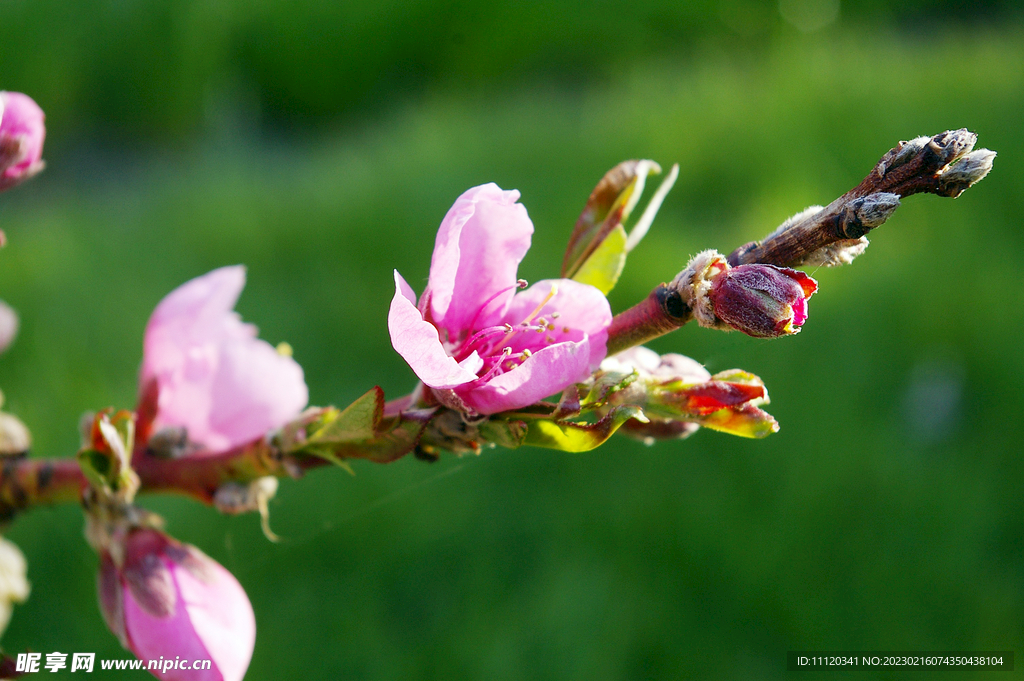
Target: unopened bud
<point>763,301</point>
<point>760,300</point>
<point>168,599</point>
<point>236,497</point>
<point>903,152</point>
<point>21,138</point>
<point>874,209</point>
<point>965,171</point>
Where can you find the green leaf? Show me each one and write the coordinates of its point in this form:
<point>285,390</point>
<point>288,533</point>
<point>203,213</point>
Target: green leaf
<point>397,438</point>
<point>608,207</point>
<point>570,436</point>
<point>603,267</point>
<point>358,421</point>
<point>95,466</point>
<point>360,431</point>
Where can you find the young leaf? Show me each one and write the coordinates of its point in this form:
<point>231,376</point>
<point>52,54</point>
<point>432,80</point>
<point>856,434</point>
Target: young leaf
<point>569,436</point>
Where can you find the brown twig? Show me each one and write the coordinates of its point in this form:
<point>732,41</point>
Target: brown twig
<point>25,482</point>
<point>944,164</point>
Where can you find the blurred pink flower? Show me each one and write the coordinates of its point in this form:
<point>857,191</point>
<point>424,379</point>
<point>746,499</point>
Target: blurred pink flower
<point>481,346</point>
<point>171,600</point>
<point>8,326</point>
<point>21,138</point>
<point>205,370</point>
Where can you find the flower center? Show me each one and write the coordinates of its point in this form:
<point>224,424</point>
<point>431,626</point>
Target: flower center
<point>504,347</point>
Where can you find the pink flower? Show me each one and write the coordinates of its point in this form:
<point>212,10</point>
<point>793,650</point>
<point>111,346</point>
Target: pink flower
<point>205,371</point>
<point>21,138</point>
<point>477,343</point>
<point>171,600</point>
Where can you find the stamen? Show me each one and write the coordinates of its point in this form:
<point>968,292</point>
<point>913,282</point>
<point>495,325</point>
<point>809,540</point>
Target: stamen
<point>547,299</point>
<point>519,284</point>
<point>556,315</point>
<point>497,365</point>
<point>467,347</point>
<point>526,353</point>
<point>522,283</point>
<point>536,311</point>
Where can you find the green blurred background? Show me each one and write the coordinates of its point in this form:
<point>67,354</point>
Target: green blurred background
<point>320,143</point>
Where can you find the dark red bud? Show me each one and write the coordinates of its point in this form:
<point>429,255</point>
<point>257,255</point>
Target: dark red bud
<point>763,301</point>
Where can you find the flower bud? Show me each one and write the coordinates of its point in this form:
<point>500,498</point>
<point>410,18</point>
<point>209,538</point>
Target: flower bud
<point>21,138</point>
<point>171,600</point>
<point>763,301</point>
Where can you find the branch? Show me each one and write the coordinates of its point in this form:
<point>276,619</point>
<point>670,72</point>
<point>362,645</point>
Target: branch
<point>26,482</point>
<point>944,165</point>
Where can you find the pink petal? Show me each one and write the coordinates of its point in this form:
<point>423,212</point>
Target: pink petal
<point>545,373</point>
<point>418,343</point>
<point>647,362</point>
<point>580,308</point>
<point>799,311</point>
<point>212,620</point>
<point>214,377</point>
<point>255,390</point>
<point>221,616</point>
<point>476,256</point>
<point>683,368</point>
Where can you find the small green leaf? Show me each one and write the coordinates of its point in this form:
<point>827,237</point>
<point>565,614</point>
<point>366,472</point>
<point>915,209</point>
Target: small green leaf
<point>609,206</point>
<point>397,438</point>
<point>95,466</point>
<point>603,267</point>
<point>358,421</point>
<point>360,431</point>
<point>569,436</point>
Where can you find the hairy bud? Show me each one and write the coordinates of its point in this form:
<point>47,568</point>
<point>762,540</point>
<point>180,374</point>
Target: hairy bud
<point>760,300</point>
<point>763,301</point>
<point>965,171</point>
